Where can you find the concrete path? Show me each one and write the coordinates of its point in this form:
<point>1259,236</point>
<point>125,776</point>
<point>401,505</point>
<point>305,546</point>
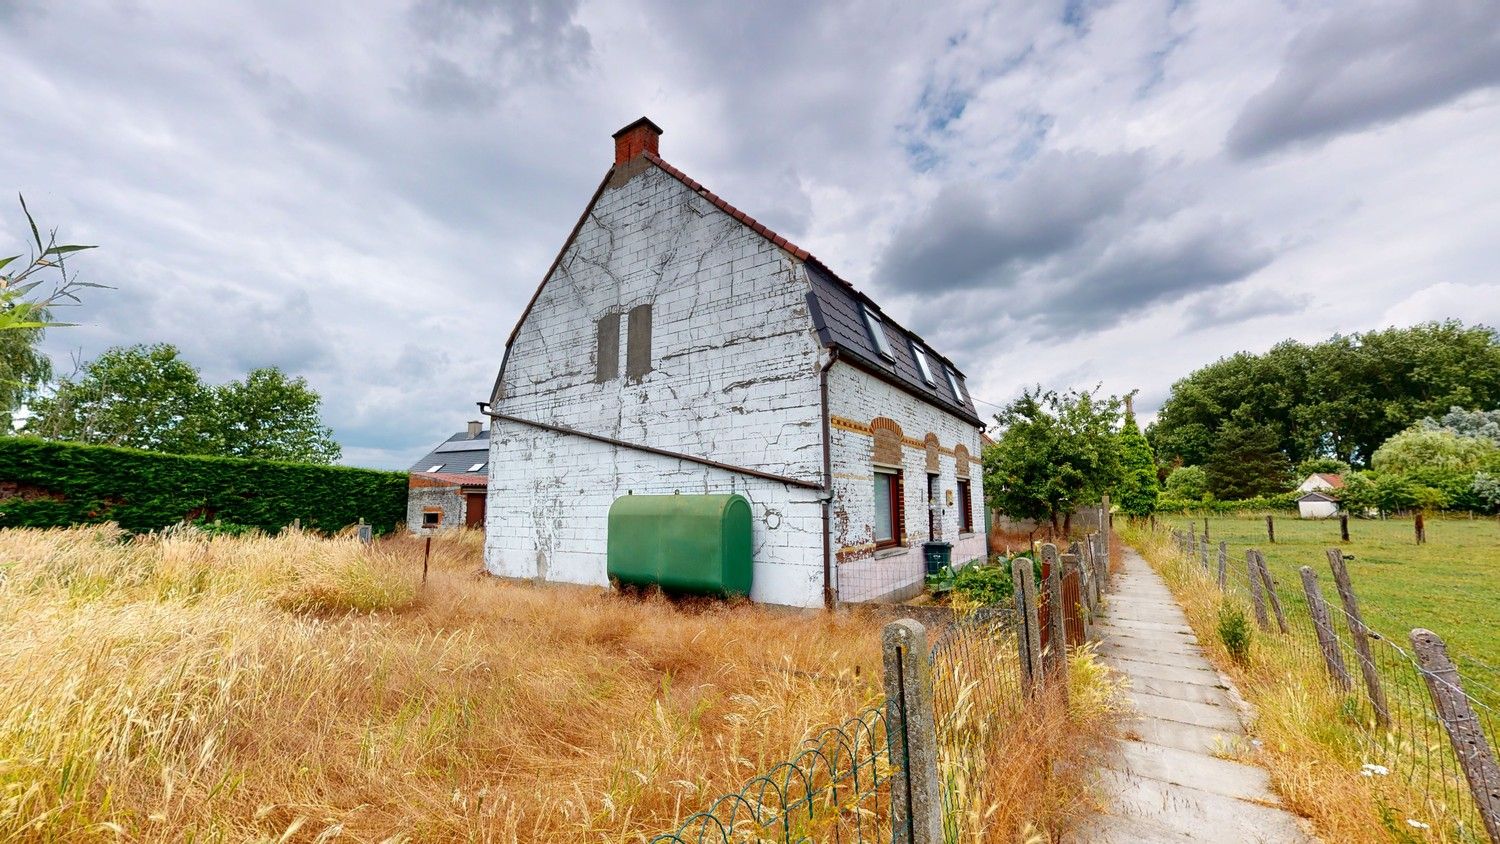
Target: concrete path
<point>1167,781</point>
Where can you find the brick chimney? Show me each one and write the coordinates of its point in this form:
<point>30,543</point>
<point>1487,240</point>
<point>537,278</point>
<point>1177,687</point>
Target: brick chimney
<point>475,427</point>
<point>640,136</point>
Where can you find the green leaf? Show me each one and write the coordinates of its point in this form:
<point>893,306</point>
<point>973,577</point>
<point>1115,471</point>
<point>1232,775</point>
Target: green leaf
<point>4,261</point>
<point>63,250</point>
<point>34,233</point>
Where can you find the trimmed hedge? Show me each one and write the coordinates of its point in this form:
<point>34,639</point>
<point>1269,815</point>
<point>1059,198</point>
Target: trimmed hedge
<point>1286,502</point>
<point>55,484</point>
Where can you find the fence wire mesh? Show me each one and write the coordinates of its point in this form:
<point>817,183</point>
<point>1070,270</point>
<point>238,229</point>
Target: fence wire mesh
<point>837,789</point>
<point>1397,730</point>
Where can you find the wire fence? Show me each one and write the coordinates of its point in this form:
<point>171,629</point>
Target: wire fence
<point>1400,702</point>
<point>912,768</point>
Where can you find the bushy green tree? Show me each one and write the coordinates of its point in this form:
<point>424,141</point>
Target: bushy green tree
<point>1139,487</point>
<point>271,417</point>
<point>1340,398</point>
<point>1246,462</point>
<point>1187,483</point>
<point>144,397</point>
<point>149,397</point>
<point>1478,424</point>
<point>1056,451</point>
<point>1423,448</point>
<point>1486,489</point>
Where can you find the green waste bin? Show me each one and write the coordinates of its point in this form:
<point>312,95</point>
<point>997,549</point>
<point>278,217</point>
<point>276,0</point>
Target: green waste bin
<point>938,555</point>
<point>695,544</point>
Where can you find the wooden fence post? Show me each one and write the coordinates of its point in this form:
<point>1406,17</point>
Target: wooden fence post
<point>1223,562</point>
<point>1029,637</point>
<point>1333,659</point>
<point>1204,554</point>
<point>1193,534</point>
<point>1270,530</point>
<point>1360,634</point>
<point>1265,574</point>
<point>1421,527</point>
<point>911,730</point>
<point>1256,599</point>
<point>1205,527</point>
<point>1464,729</point>
<point>1343,527</point>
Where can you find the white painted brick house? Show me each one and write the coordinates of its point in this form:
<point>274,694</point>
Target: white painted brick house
<point>676,345</point>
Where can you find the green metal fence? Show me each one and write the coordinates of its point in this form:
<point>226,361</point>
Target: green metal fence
<point>837,788</point>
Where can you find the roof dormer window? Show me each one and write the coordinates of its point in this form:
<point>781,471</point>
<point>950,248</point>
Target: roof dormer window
<point>876,328</point>
<point>922,365</point>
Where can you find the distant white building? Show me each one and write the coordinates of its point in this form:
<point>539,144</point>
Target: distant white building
<point>1319,481</point>
<point>676,345</point>
<point>1317,505</point>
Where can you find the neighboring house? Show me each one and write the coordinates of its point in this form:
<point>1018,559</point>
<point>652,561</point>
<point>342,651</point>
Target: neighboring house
<point>678,346</point>
<point>1317,505</point>
<point>1321,481</point>
<point>446,488</point>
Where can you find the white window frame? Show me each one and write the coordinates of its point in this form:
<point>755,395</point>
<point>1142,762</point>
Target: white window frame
<point>876,327</point>
<point>437,468</point>
<point>476,467</point>
<point>923,366</point>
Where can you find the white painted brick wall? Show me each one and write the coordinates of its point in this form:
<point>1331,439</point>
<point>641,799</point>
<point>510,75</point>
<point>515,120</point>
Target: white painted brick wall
<point>863,574</point>
<point>735,380</point>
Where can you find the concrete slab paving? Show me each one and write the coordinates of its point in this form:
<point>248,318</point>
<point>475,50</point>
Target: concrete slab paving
<point>1167,781</point>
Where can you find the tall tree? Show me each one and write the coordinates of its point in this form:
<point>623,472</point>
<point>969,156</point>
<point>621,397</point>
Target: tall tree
<point>1139,487</point>
<point>149,397</point>
<point>1246,462</point>
<point>23,368</point>
<point>272,417</point>
<point>1340,398</point>
<point>138,396</point>
<point>1056,451</point>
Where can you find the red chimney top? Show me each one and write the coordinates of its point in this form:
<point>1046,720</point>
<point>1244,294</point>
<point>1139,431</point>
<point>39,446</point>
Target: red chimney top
<point>640,136</point>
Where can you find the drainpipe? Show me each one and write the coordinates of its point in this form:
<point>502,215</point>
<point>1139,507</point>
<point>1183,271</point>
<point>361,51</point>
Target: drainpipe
<point>830,595</point>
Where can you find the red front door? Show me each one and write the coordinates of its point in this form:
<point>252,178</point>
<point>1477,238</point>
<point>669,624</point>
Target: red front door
<point>474,510</point>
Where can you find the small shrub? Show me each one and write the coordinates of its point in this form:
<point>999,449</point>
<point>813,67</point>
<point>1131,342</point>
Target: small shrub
<point>1234,632</point>
<point>984,585</point>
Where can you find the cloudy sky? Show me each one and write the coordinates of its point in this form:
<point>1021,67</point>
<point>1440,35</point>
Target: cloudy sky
<point>1066,193</point>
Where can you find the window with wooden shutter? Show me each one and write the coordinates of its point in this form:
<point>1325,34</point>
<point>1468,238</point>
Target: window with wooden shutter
<point>638,343</point>
<point>965,512</point>
<point>607,355</point>
<point>888,499</point>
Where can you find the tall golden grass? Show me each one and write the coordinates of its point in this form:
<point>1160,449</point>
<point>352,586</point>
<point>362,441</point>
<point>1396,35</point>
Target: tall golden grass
<point>1314,749</point>
<point>296,688</point>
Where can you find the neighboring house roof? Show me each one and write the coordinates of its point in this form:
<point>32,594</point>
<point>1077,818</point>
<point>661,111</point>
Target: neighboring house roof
<point>456,455</point>
<point>835,306</point>
<point>1335,481</point>
<point>454,478</point>
<point>1317,495</point>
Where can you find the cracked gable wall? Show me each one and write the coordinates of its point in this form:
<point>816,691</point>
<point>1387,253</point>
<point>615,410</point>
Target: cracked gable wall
<point>734,378</point>
<point>862,573</point>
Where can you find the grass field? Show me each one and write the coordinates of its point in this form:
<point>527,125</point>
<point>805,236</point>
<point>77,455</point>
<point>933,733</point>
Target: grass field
<point>189,687</point>
<point>1450,585</point>
<point>297,688</point>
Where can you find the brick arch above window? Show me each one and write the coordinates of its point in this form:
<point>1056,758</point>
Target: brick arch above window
<point>961,460</point>
<point>930,443</point>
<point>887,436</point>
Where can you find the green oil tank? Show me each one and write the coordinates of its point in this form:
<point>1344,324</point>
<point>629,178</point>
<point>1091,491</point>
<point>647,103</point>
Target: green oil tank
<point>697,544</point>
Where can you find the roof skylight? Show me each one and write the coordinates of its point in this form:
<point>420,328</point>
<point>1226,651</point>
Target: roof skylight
<point>876,328</point>
<point>922,365</point>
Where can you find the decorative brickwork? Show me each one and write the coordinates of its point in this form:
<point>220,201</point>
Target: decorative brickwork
<point>960,461</point>
<point>933,452</point>
<point>887,442</point>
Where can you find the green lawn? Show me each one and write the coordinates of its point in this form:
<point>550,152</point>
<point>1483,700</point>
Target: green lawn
<point>1450,585</point>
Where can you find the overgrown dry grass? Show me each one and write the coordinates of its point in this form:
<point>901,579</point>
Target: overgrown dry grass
<point>1036,780</point>
<point>188,687</point>
<point>1312,743</point>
